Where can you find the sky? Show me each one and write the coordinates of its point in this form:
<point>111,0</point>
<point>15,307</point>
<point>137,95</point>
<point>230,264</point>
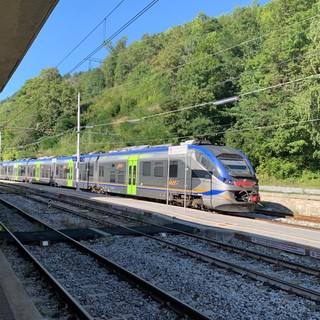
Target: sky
<point>72,21</point>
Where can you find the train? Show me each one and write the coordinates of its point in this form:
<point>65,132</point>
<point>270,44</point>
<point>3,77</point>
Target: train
<point>193,174</point>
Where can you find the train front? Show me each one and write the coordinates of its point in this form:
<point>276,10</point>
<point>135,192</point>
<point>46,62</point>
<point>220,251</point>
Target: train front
<point>234,184</point>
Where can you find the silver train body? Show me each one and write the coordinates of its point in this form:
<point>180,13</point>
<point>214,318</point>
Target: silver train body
<point>199,176</point>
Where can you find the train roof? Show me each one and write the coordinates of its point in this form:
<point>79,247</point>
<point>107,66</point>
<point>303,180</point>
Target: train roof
<point>192,144</point>
<point>220,150</point>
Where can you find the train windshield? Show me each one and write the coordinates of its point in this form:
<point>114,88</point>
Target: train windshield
<point>235,165</point>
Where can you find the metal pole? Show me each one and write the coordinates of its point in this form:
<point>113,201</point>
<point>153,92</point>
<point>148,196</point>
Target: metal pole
<point>185,181</point>
<point>168,175</point>
<point>78,146</point>
<point>0,146</point>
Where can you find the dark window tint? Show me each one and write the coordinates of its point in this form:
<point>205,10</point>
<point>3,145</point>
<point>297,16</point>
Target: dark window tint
<point>146,169</point>
<point>235,166</point>
<point>101,171</point>
<point>91,170</point>
<point>204,161</point>
<point>203,174</point>
<point>121,176</point>
<point>173,169</point>
<point>112,176</point>
<point>158,169</point>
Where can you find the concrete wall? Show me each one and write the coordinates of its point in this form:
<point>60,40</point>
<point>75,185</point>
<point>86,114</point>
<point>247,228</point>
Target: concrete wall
<point>300,204</point>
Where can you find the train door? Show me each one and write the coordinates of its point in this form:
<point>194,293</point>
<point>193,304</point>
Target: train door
<point>37,176</point>
<point>53,174</point>
<point>87,169</point>
<point>132,174</point>
<point>90,171</point>
<point>16,172</point>
<point>70,173</point>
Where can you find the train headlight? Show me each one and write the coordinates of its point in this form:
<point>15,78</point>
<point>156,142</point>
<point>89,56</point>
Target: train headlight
<point>227,181</point>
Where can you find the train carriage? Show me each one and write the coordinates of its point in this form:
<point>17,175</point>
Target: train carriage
<point>39,171</point>
<point>192,174</point>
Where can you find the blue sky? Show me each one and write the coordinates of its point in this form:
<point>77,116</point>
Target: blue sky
<point>73,20</point>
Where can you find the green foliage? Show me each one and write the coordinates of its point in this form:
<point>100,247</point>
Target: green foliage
<point>160,90</point>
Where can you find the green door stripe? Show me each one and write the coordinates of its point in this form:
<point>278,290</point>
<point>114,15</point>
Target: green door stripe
<point>70,173</point>
<point>16,173</point>
<point>132,174</point>
<point>38,165</point>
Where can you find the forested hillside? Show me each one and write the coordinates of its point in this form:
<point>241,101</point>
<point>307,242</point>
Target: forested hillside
<point>164,89</point>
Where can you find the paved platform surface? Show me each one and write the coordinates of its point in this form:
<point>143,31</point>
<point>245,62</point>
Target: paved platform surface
<point>14,302</point>
<point>205,220</point>
<point>307,238</point>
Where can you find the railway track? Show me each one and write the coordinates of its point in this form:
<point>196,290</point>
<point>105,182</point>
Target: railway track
<point>164,300</point>
<point>207,244</point>
<point>232,260</point>
<point>273,216</point>
<point>207,255</point>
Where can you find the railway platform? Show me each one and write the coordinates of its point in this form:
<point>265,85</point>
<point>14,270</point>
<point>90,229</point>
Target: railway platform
<point>201,219</point>
<point>14,302</point>
<point>290,238</point>
<point>283,236</point>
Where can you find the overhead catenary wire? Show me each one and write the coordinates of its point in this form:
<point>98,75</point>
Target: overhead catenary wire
<point>216,53</point>
<point>90,33</point>
<point>235,98</point>
<point>195,60</point>
<point>252,92</point>
<point>125,26</point>
<point>171,111</point>
<point>294,59</point>
<point>210,134</point>
<point>315,52</point>
<point>230,48</point>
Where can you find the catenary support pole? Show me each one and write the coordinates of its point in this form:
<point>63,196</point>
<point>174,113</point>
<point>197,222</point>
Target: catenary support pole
<point>78,146</point>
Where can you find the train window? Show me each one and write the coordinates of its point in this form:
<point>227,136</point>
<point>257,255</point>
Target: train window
<point>146,169</point>
<point>121,176</point>
<point>158,169</point>
<point>59,171</point>
<point>101,171</point>
<point>237,166</point>
<point>65,173</point>
<point>173,169</point>
<point>204,161</point>
<point>45,172</point>
<point>112,176</point>
<point>201,174</point>
<point>82,171</point>
<point>33,171</point>
<point>90,170</point>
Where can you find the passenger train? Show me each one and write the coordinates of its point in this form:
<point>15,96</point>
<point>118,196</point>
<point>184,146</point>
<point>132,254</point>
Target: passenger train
<point>192,174</point>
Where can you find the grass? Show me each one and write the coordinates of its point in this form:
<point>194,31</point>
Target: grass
<point>296,183</point>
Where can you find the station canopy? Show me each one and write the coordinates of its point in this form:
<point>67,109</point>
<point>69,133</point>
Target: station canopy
<point>20,23</point>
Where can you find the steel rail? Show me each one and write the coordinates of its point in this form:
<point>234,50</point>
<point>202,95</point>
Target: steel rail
<point>73,304</point>
<point>247,252</point>
<point>173,303</point>
<point>282,284</point>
